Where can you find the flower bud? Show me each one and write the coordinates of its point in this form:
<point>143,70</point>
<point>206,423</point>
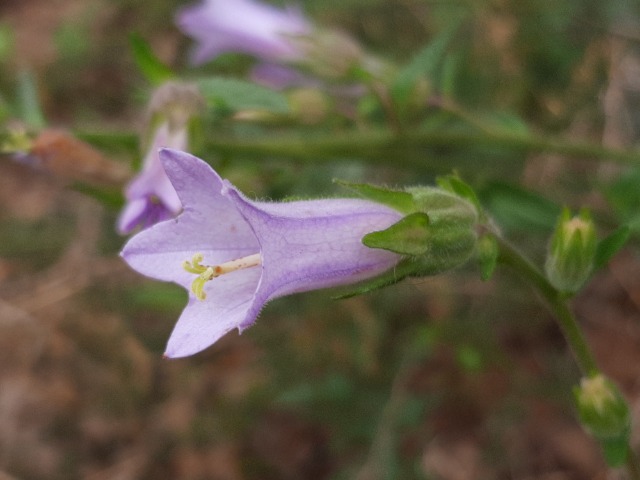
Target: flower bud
<point>308,105</point>
<point>571,252</point>
<point>605,414</point>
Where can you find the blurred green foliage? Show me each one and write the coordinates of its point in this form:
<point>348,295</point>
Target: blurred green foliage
<point>447,357</point>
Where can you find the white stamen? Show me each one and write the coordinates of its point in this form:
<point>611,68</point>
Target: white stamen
<point>233,265</point>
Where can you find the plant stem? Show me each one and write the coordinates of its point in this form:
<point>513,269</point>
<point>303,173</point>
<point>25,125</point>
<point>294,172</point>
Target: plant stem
<point>383,146</point>
<point>556,302</point>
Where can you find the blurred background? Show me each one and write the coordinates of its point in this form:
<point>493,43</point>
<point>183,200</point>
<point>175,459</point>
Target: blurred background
<point>447,377</point>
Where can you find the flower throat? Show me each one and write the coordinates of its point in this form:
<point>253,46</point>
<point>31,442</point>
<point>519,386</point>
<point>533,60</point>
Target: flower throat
<point>209,272</point>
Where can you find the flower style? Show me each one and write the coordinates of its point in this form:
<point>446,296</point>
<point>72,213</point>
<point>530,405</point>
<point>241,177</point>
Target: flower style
<point>150,196</point>
<point>245,26</point>
<point>234,254</point>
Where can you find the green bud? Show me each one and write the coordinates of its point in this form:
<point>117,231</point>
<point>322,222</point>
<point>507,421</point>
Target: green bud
<point>308,105</point>
<point>437,236</point>
<point>605,414</point>
<point>572,251</point>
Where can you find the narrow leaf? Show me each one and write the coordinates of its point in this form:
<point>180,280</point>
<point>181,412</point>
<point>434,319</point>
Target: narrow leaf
<point>424,64</point>
<point>28,102</point>
<point>153,69</point>
<point>518,209</point>
<point>235,95</point>
<point>610,245</point>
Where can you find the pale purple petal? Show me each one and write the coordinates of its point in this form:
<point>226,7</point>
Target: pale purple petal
<point>244,26</point>
<point>203,322</point>
<point>315,244</point>
<point>209,224</point>
<point>150,196</point>
<point>279,77</point>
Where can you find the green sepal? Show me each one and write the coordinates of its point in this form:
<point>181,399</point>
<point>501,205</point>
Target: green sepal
<point>409,236</point>
<point>455,184</point>
<point>443,207</point>
<point>401,271</point>
<point>437,234</point>
<point>397,199</point>
<point>487,254</point>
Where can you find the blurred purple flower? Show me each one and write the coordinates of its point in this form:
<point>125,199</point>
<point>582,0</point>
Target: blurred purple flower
<point>280,77</point>
<point>245,26</point>
<point>254,251</point>
<point>150,196</point>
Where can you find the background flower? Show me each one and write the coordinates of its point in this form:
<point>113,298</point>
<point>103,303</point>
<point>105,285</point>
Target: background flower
<point>243,26</point>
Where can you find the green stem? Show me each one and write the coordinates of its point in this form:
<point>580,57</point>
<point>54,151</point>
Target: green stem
<point>384,146</point>
<point>556,302</point>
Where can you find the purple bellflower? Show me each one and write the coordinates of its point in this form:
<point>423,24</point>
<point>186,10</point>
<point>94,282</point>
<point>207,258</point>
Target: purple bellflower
<point>245,26</point>
<point>150,196</point>
<point>234,255</point>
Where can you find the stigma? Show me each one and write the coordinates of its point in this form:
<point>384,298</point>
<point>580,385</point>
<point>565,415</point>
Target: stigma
<point>209,272</point>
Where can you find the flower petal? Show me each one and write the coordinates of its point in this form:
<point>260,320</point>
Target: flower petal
<point>209,224</point>
<point>242,26</point>
<point>315,244</point>
<point>203,322</point>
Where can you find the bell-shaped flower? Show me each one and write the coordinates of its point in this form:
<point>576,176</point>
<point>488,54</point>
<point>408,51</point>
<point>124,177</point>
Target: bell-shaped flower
<point>234,255</point>
<point>150,196</point>
<point>243,26</point>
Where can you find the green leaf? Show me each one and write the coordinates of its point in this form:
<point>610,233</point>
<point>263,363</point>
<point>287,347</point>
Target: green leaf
<point>7,42</point>
<point>398,199</point>
<point>425,63</point>
<point>488,252</point>
<point>28,102</point>
<point>5,109</point>
<point>518,209</point>
<point>148,63</point>
<point>109,197</point>
<point>610,245</point>
<point>409,236</point>
<point>235,95</point>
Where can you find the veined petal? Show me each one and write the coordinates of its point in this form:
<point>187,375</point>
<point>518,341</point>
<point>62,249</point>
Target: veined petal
<point>226,307</point>
<point>209,224</point>
<point>315,244</point>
